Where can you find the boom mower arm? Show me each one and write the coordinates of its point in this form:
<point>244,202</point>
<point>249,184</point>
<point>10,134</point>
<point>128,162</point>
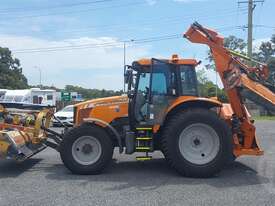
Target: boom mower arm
<point>236,77</point>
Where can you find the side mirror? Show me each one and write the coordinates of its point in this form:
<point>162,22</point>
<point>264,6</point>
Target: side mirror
<point>128,75</point>
<point>130,94</point>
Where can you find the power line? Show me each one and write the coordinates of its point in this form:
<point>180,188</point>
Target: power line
<point>152,23</point>
<point>97,45</point>
<point>79,11</point>
<point>258,26</point>
<point>106,44</point>
<point>18,9</point>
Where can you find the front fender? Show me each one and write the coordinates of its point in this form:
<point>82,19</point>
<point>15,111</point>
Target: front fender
<point>104,124</point>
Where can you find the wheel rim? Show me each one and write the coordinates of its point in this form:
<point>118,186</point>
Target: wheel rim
<point>199,143</point>
<point>86,150</point>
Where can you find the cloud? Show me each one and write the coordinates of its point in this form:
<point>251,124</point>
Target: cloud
<point>92,67</point>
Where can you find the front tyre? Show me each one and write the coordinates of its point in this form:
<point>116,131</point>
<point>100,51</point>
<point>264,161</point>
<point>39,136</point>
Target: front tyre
<point>197,143</point>
<point>86,149</point>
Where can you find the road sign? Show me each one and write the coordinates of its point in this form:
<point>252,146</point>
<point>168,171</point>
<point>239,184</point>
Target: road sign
<point>66,96</point>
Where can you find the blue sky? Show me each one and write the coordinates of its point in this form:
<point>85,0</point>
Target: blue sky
<point>31,24</point>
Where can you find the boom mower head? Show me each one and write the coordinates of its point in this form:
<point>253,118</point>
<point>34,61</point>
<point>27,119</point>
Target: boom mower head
<point>21,135</point>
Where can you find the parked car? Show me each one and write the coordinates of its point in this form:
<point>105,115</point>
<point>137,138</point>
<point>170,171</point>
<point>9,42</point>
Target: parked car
<point>66,116</point>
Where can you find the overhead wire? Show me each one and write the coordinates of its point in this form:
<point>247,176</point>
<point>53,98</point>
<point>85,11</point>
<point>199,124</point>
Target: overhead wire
<point>105,44</point>
<point>112,44</point>
<point>20,9</point>
<point>152,23</point>
<point>78,11</point>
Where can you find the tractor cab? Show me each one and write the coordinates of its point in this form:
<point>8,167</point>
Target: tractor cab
<point>153,84</point>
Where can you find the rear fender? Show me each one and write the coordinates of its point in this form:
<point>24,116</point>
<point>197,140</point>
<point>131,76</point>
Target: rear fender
<point>186,102</point>
<point>191,102</point>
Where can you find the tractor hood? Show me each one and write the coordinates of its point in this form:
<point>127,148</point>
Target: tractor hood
<point>104,109</point>
<point>107,101</point>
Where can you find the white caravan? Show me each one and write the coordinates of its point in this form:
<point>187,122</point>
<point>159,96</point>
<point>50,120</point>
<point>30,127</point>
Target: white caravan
<point>30,96</point>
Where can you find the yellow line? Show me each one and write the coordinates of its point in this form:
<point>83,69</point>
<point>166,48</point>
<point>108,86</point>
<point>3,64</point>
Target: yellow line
<point>143,148</point>
<point>144,128</point>
<point>144,138</point>
<point>143,158</point>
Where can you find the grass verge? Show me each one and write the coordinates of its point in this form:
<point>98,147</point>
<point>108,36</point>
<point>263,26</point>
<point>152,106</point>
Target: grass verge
<point>271,118</point>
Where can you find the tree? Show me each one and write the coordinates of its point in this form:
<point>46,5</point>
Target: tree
<point>201,76</point>
<point>232,43</point>
<point>266,51</point>
<point>271,66</point>
<point>92,93</point>
<point>208,89</point>
<point>11,76</point>
<point>266,54</point>
<point>235,43</point>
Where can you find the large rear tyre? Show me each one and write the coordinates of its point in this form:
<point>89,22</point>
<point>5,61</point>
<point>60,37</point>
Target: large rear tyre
<point>86,150</point>
<point>197,143</point>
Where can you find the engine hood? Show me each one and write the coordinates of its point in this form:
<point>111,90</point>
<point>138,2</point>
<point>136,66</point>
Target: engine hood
<point>106,101</point>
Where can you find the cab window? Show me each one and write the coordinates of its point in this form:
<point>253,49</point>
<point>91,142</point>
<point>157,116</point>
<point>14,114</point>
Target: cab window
<point>188,80</point>
<point>144,82</point>
<point>163,79</point>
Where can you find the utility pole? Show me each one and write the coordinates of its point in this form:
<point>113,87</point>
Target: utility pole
<point>40,76</point>
<point>124,54</point>
<point>124,64</point>
<point>251,7</point>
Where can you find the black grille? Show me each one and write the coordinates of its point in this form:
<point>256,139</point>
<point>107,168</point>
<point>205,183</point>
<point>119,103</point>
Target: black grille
<point>62,118</point>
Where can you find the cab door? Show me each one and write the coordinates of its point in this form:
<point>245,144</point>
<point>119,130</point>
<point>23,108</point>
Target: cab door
<point>163,90</point>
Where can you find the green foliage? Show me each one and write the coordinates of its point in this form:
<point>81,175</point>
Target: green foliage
<point>266,54</point>
<point>46,87</point>
<point>201,76</point>
<point>266,51</point>
<point>270,118</point>
<point>92,93</point>
<point>11,76</point>
<point>208,89</point>
<point>271,66</point>
<point>232,43</point>
<point>235,44</point>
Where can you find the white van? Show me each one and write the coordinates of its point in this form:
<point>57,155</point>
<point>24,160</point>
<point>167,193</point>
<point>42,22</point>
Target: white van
<point>30,96</point>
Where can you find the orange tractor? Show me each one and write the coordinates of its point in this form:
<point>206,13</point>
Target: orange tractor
<point>163,111</point>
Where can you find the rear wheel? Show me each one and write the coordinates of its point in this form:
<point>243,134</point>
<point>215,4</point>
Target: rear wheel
<point>86,150</point>
<point>197,143</point>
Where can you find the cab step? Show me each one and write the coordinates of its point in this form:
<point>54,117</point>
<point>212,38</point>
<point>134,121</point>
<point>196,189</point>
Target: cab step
<point>143,158</point>
<point>140,149</point>
<point>144,138</point>
<point>144,128</point>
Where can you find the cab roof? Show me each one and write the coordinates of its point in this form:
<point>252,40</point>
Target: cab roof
<point>173,60</point>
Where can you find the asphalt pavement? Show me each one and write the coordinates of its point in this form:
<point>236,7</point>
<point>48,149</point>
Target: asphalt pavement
<point>43,180</point>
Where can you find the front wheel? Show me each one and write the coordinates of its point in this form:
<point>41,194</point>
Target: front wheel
<point>86,150</point>
<point>197,143</point>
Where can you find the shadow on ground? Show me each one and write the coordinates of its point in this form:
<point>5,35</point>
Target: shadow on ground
<point>10,168</point>
<point>143,175</point>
